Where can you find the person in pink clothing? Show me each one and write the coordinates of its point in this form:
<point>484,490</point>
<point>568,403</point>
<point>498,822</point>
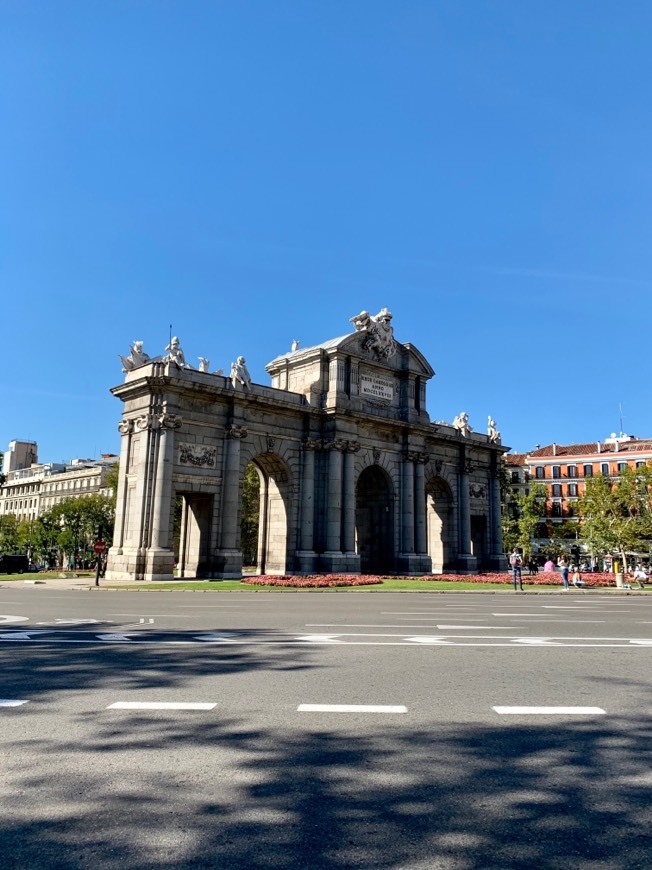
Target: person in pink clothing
<point>549,567</point>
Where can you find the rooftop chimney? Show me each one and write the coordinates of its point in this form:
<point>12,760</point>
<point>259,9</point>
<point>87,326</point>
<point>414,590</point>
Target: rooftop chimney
<point>554,449</point>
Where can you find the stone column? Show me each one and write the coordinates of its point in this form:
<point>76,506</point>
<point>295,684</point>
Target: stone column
<point>348,510</point>
<point>467,563</point>
<point>334,506</point>
<point>407,504</point>
<point>420,504</point>
<point>231,487</point>
<point>497,556</point>
<point>306,557</point>
<point>125,428</point>
<point>162,501</point>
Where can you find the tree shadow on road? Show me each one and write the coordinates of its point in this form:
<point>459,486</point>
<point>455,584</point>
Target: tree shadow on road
<point>232,793</point>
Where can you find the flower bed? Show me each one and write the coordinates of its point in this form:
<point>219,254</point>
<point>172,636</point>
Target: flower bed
<point>313,581</point>
<point>551,578</point>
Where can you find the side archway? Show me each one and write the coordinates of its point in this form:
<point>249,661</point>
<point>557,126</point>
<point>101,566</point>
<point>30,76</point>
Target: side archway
<point>273,514</point>
<point>374,521</point>
<point>440,524</point>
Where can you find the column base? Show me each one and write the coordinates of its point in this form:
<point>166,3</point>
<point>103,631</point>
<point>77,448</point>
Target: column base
<point>467,564</point>
<point>227,565</point>
<point>498,562</point>
<point>140,565</point>
<point>339,563</point>
<point>413,563</point>
<point>305,562</point>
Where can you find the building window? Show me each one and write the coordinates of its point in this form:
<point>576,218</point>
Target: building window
<point>556,471</point>
<point>571,508</point>
<point>540,472</point>
<point>556,489</point>
<point>515,477</point>
<point>622,466</point>
<point>640,464</point>
<point>588,471</point>
<point>572,489</point>
<point>572,470</point>
<point>604,468</point>
<point>556,509</point>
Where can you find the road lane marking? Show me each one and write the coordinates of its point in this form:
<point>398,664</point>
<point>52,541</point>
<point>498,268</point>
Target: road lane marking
<point>9,703</point>
<point>319,638</point>
<point>214,636</point>
<point>549,711</point>
<point>481,627</point>
<point>424,638</point>
<point>159,705</point>
<point>14,618</point>
<point>350,708</point>
<point>114,637</point>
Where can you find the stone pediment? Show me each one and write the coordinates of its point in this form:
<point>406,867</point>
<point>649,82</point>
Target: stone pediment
<point>367,370</point>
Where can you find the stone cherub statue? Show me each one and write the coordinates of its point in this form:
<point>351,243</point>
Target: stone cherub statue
<point>175,354</point>
<point>461,423</point>
<point>379,332</point>
<point>136,358</point>
<point>240,375</point>
<point>492,433</point>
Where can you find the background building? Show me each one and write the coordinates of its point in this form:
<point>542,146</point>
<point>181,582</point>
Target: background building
<point>30,490</point>
<point>564,469</point>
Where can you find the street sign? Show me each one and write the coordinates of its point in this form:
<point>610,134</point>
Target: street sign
<point>99,547</point>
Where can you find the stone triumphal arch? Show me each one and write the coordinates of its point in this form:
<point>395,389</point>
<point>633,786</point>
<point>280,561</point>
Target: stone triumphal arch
<point>354,477</point>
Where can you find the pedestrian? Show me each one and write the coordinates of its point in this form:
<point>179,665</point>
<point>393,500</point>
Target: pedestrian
<point>562,564</point>
<point>640,576</point>
<point>576,577</point>
<point>516,563</point>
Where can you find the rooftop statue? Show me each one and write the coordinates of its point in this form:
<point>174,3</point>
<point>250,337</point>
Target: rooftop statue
<point>461,423</point>
<point>492,433</point>
<point>136,358</point>
<point>240,375</point>
<point>175,354</point>
<point>379,337</point>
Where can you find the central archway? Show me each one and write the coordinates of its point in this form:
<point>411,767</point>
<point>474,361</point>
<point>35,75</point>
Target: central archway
<point>374,521</point>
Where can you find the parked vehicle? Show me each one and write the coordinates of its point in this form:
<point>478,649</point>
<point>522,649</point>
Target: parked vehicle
<point>13,564</point>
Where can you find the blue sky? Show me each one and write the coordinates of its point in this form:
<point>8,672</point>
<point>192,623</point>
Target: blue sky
<point>254,172</point>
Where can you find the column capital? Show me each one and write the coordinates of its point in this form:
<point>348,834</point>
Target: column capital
<point>339,444</point>
<point>236,432</point>
<point>125,427</point>
<point>145,421</point>
<point>312,444</point>
<point>169,421</point>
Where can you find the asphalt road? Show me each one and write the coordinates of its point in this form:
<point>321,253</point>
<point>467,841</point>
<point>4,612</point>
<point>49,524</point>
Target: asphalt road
<point>321,730</point>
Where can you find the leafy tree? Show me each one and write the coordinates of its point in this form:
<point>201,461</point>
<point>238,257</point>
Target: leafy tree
<point>520,529</point>
<point>111,481</point>
<point>73,525</point>
<point>250,514</point>
<point>617,515</point>
<point>8,534</point>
